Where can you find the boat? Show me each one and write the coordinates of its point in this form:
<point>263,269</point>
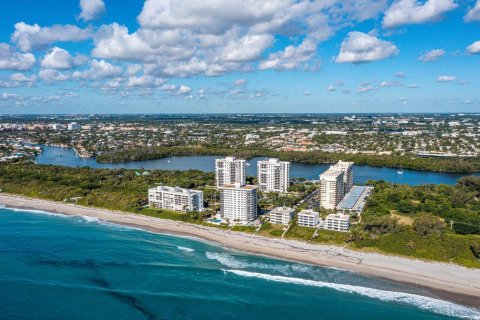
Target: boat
<point>400,171</point>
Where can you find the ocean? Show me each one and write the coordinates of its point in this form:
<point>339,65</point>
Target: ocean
<point>62,267</point>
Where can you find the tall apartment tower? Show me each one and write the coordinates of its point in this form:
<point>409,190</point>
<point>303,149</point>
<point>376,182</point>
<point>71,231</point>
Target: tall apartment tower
<point>175,198</point>
<point>229,171</point>
<point>331,188</point>
<point>273,175</point>
<point>238,204</point>
<point>347,169</point>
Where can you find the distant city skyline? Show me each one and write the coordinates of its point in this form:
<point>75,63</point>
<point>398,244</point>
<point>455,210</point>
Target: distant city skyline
<point>239,56</point>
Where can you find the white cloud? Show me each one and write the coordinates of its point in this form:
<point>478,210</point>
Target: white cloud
<point>91,9</point>
<point>366,87</point>
<point>183,90</point>
<point>361,47</point>
<point>331,88</point>
<point>181,38</point>
<point>57,58</point>
<point>20,77</point>
<point>12,60</point>
<point>413,86</point>
<point>169,87</point>
<point>145,81</point>
<point>99,69</point>
<point>400,74</point>
<point>474,48</point>
<point>446,78</point>
<point>51,75</point>
<point>389,84</point>
<point>404,12</point>
<point>474,13</point>
<point>432,55</point>
<point>240,82</point>
<point>291,57</point>
<point>246,48</point>
<point>28,37</point>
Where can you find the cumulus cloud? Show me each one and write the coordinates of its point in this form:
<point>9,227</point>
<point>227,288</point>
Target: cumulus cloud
<point>361,47</point>
<point>240,82</point>
<point>91,9</point>
<point>51,75</point>
<point>99,69</point>
<point>291,57</point>
<point>400,74</point>
<point>144,81</point>
<point>404,12</point>
<point>474,13</point>
<point>389,84</point>
<point>28,37</point>
<point>446,78</point>
<point>20,77</point>
<point>183,90</point>
<point>12,60</point>
<point>331,88</point>
<point>474,48</point>
<point>432,55</point>
<point>58,58</point>
<point>181,38</point>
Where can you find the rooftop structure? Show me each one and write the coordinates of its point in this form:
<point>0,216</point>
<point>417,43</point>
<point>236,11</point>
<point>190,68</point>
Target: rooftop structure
<point>356,199</point>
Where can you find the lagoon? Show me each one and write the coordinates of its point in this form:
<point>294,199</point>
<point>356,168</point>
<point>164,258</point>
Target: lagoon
<point>67,157</point>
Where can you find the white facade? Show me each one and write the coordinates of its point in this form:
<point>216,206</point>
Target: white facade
<point>229,171</point>
<point>308,218</point>
<point>347,169</point>
<point>331,188</point>
<point>175,198</point>
<point>73,126</point>
<point>238,204</point>
<point>281,215</point>
<point>273,175</point>
<point>337,222</point>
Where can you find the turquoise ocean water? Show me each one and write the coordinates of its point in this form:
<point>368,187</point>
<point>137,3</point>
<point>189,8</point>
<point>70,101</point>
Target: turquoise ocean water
<point>59,267</point>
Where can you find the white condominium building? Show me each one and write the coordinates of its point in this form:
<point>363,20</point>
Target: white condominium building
<point>273,175</point>
<point>238,204</point>
<point>281,215</point>
<point>337,222</point>
<point>73,126</point>
<point>175,198</point>
<point>308,218</point>
<point>347,169</point>
<point>331,188</point>
<point>229,171</point>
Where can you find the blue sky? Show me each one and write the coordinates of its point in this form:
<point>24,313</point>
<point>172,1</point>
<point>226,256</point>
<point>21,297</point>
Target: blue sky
<point>189,56</point>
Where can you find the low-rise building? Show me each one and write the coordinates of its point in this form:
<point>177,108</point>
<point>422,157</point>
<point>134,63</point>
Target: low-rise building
<point>337,222</point>
<point>281,215</point>
<point>308,218</point>
<point>175,198</point>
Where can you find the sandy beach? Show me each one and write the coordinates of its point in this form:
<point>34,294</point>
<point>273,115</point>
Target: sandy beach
<point>446,281</point>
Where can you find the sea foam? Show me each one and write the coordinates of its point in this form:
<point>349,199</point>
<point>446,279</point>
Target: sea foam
<point>230,261</point>
<point>422,302</point>
<point>185,249</point>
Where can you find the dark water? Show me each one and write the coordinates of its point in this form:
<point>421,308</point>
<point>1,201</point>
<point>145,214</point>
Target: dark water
<point>67,157</point>
<point>59,267</point>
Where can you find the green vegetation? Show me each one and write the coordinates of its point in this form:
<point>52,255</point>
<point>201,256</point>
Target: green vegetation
<point>435,222</point>
<point>393,161</point>
<point>118,189</point>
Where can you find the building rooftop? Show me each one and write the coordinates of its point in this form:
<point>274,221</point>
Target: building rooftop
<point>238,186</point>
<point>355,199</point>
<point>308,212</point>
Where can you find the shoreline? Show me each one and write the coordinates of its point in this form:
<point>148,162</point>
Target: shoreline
<point>444,281</point>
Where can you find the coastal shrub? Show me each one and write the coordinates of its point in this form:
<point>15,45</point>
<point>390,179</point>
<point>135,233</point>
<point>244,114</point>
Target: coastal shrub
<point>427,225</point>
<point>475,248</point>
<point>381,225</point>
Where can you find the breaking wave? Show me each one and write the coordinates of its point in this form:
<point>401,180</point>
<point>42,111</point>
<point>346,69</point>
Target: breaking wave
<point>422,302</point>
